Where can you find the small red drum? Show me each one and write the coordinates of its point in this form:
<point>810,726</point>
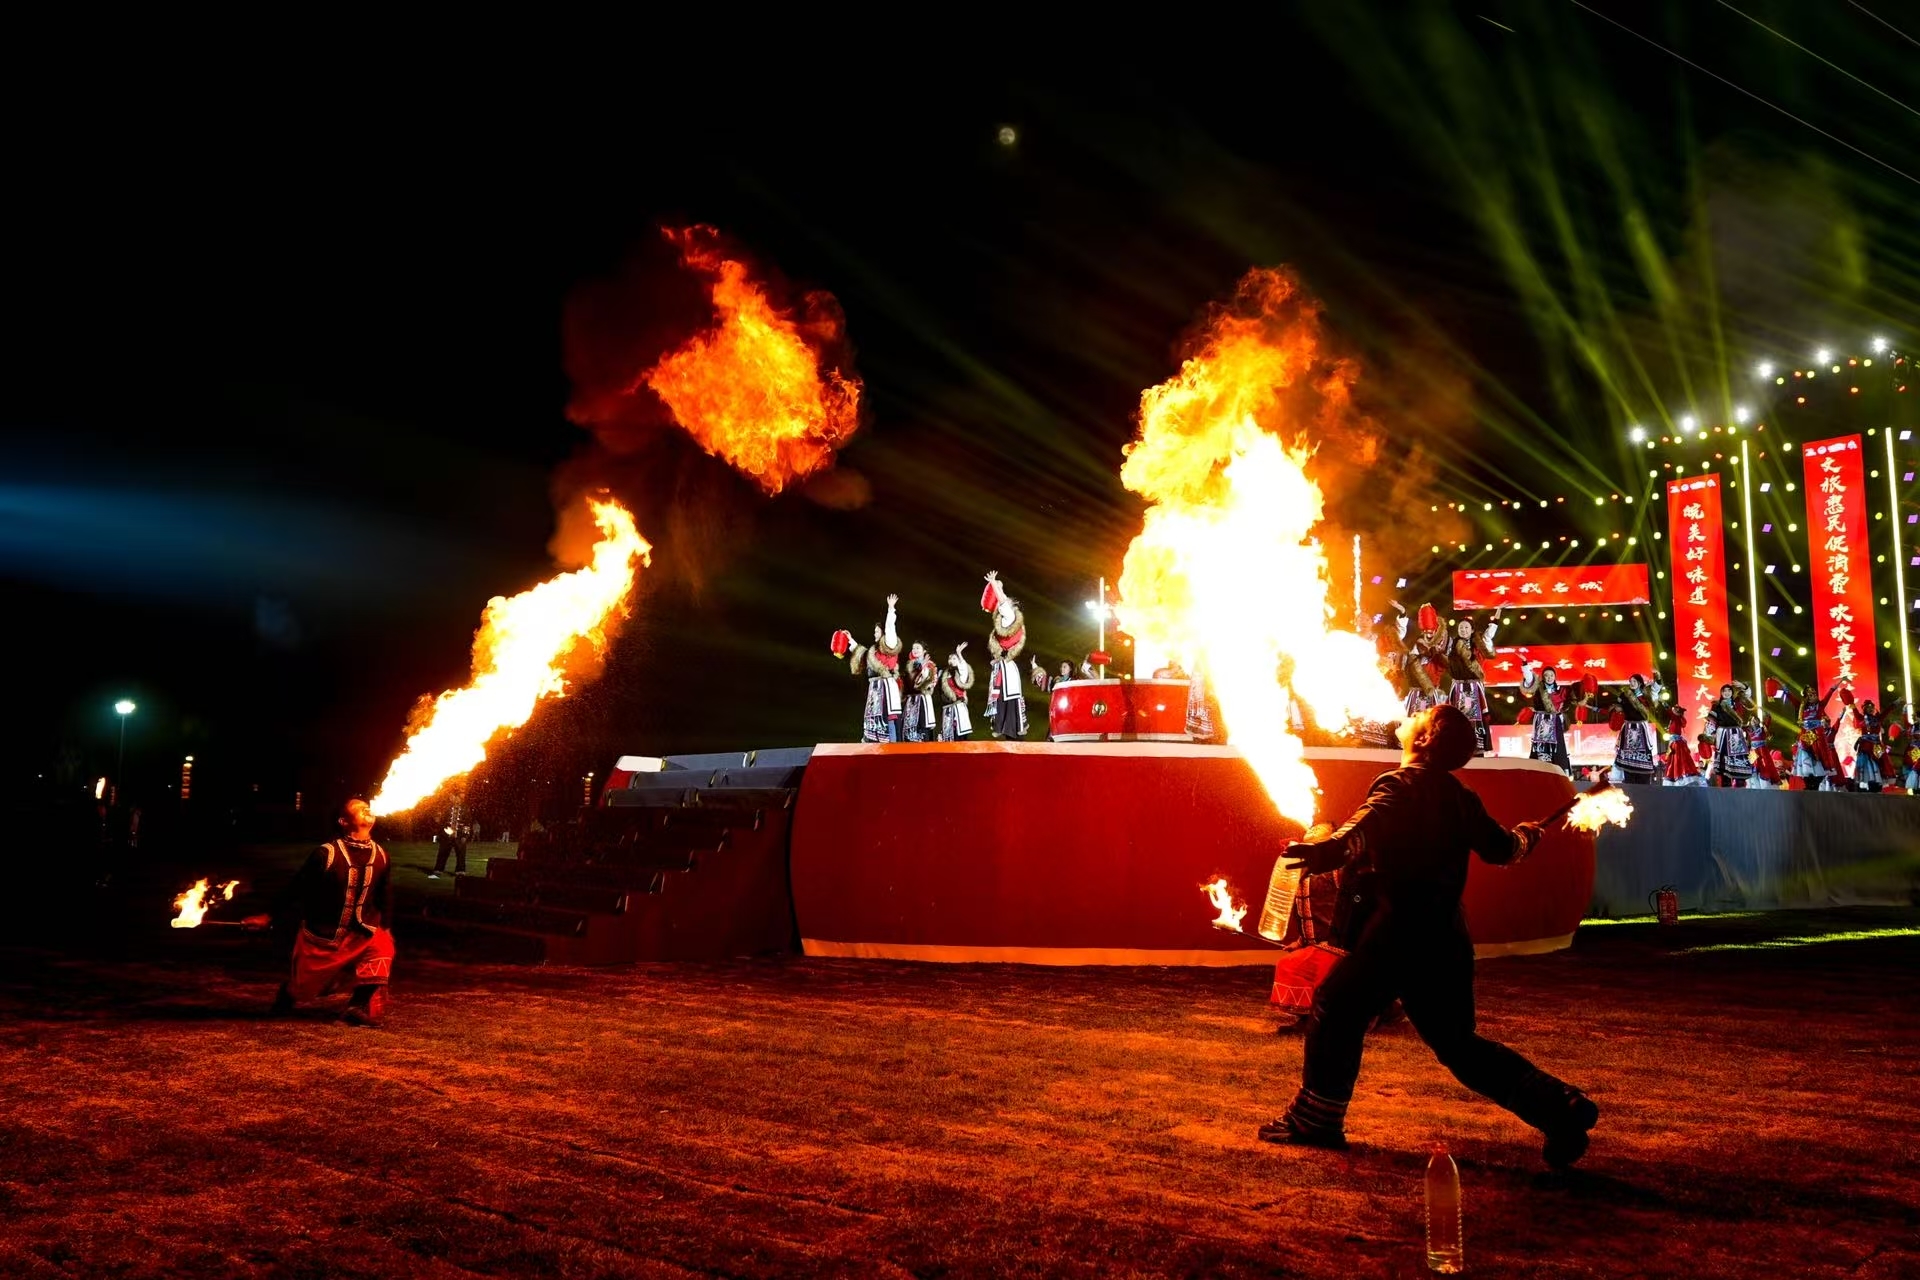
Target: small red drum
<point>1118,711</point>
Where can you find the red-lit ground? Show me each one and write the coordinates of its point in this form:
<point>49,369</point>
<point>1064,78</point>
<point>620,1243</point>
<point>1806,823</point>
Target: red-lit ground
<point>794,1117</point>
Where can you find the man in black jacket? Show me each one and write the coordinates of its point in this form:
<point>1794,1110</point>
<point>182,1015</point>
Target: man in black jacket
<point>1405,853</point>
<point>343,898</point>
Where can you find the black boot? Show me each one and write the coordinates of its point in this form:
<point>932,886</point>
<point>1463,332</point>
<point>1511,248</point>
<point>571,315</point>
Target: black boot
<point>282,1003</point>
<point>1310,1121</point>
<point>1558,1110</point>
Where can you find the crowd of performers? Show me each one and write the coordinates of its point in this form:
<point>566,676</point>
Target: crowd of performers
<point>1435,664</point>
<point>901,696</point>
<point>1432,663</point>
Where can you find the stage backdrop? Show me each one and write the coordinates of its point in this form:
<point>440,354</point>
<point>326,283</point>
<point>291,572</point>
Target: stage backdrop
<point>1703,649</point>
<point>1070,853</point>
<point>1551,586</point>
<point>1607,663</point>
<point>1843,641</point>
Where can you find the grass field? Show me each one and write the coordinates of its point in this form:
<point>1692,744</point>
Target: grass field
<point>1760,1096</point>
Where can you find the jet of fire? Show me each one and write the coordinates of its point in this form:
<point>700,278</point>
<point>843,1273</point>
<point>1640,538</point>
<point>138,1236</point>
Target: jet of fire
<point>751,389</point>
<point>192,905</point>
<point>519,658</point>
<point>1220,894</point>
<point>1599,807</point>
<point>1225,569</point>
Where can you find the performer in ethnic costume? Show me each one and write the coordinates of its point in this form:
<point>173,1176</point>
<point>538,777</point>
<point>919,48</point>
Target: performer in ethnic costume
<point>1766,766</point>
<point>1732,763</point>
<point>880,664</point>
<point>1681,769</point>
<point>1423,663</point>
<point>955,723</point>
<point>1813,756</point>
<point>1466,677</point>
<point>1906,749</point>
<point>1406,851</point>
<point>1870,750</point>
<point>1545,699</point>
<point>917,720</point>
<point>343,897</point>
<point>1635,758</point>
<point>1006,702</point>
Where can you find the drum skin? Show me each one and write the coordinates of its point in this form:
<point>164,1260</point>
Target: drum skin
<point>1096,853</point>
<point>1118,711</point>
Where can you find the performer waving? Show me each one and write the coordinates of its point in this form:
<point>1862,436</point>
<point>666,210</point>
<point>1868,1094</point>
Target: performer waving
<point>1422,663</point>
<point>1006,701</point>
<point>880,664</point>
<point>1732,763</point>
<point>1541,688</point>
<point>1870,750</point>
<point>1634,755</point>
<point>1466,677</point>
<point>917,720</point>
<point>1814,760</point>
<point>955,723</point>
<point>1405,853</point>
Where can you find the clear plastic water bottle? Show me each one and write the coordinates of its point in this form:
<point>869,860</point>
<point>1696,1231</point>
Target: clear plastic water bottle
<point>1445,1251</point>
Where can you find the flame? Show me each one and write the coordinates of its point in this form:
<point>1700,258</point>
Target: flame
<point>192,905</point>
<point>1225,569</point>
<point>1601,806</point>
<point>1220,894</point>
<point>751,389</point>
<point>518,659</point>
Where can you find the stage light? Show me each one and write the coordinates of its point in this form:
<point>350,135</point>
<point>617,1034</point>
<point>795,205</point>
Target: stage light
<point>1563,617</point>
<point>1772,609</point>
<point>1764,368</point>
<point>1663,615</point>
<point>1879,344</point>
<point>1822,356</point>
<point>1629,499</point>
<point>1436,550</point>
<point>1574,543</point>
<point>1543,502</point>
<point>1802,650</point>
<point>1663,652</point>
<point>1545,545</point>
<point>1771,568</point>
<point>1798,609</point>
<point>1488,507</point>
<point>1653,475</point>
<point>1688,423</point>
<point>1836,368</point>
<point>1766,486</point>
<point>1618,617</point>
<point>1636,434</point>
<point>1779,382</point>
<point>1488,547</point>
<point>1796,568</point>
<point>1633,542</point>
<point>1598,500</point>
<point>1739,413</point>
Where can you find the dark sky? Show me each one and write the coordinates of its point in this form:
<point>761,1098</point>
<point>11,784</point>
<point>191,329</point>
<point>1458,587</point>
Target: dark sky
<point>283,396</point>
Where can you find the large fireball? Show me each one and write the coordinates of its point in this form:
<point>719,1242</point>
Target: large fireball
<point>1225,571</point>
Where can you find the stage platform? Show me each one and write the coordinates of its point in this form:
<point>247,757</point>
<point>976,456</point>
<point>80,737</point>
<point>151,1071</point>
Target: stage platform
<point>1095,853</point>
<point>1725,849</point>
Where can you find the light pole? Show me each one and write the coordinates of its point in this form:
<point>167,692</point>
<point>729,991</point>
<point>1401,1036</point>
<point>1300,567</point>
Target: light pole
<point>125,708</point>
<point>1099,610</point>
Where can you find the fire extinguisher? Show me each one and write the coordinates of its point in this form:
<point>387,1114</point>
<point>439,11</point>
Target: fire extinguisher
<point>1666,904</point>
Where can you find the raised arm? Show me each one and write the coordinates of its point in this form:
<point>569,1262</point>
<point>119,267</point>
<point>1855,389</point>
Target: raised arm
<point>892,636</point>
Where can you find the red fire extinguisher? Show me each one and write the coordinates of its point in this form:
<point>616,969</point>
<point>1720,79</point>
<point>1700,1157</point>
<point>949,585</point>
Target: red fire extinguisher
<point>1666,904</point>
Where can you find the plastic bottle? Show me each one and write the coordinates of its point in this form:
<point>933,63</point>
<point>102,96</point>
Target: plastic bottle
<point>1445,1249</point>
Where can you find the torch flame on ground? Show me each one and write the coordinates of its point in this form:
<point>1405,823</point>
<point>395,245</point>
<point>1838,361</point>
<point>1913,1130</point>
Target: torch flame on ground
<point>751,389</point>
<point>1226,570</point>
<point>519,655</point>
<point>192,905</point>
<point>1599,807</point>
<point>1220,894</point>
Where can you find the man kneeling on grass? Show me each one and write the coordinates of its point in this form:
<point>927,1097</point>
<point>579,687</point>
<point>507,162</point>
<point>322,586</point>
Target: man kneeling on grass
<point>1405,852</point>
<point>344,898</point>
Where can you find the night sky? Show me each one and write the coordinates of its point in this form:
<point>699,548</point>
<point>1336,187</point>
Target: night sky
<point>285,381</point>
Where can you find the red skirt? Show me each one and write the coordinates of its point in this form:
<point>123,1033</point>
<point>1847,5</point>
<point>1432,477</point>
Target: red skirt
<point>1680,765</point>
<point>323,965</point>
<point>1298,975</point>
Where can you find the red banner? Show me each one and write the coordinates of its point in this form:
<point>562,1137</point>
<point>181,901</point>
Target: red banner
<point>1551,585</point>
<point>1703,647</point>
<point>1607,663</point>
<point>1843,641</point>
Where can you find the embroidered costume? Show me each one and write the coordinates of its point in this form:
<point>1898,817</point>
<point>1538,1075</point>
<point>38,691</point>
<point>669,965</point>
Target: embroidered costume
<point>1681,769</point>
<point>1870,749</point>
<point>1466,677</point>
<point>343,897</point>
<point>1545,699</point>
<point>1813,755</point>
<point>956,724</point>
<point>1006,701</point>
<point>1423,664</point>
<point>917,723</point>
<point>880,664</point>
<point>1635,757</point>
<point>1732,763</point>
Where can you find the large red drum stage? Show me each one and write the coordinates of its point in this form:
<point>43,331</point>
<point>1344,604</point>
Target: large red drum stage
<point>1086,853</point>
<point>1118,711</point>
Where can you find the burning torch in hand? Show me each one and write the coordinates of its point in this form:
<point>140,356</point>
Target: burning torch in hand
<point>195,902</point>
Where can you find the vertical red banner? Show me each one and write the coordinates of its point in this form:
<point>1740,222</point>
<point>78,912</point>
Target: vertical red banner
<point>1703,647</point>
<point>1843,641</point>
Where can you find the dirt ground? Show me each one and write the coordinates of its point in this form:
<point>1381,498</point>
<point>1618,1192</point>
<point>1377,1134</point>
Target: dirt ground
<point>1759,1079</point>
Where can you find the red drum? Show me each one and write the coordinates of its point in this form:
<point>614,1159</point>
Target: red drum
<point>1118,711</point>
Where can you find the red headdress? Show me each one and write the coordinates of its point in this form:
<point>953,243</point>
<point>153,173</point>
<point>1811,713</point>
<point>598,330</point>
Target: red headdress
<point>1429,618</point>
